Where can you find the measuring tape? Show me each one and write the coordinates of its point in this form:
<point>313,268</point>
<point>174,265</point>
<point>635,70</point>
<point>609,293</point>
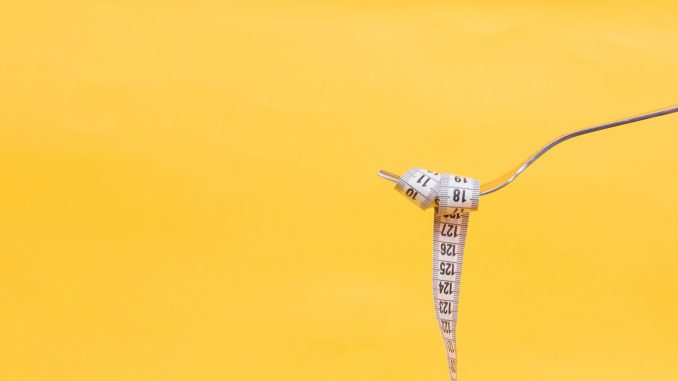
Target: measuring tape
<point>452,197</point>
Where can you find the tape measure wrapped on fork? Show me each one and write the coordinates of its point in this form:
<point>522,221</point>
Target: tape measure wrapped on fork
<point>444,191</point>
<point>452,197</point>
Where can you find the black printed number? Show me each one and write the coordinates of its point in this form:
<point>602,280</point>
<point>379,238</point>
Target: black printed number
<point>445,307</point>
<point>446,268</point>
<point>459,195</point>
<point>445,288</point>
<point>411,193</point>
<point>456,213</point>
<point>446,326</point>
<point>425,180</point>
<point>448,249</point>
<point>449,230</point>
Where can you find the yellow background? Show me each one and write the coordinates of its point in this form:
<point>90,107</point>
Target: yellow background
<point>189,190</point>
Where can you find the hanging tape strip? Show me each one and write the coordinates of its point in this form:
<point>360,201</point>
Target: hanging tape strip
<point>452,197</point>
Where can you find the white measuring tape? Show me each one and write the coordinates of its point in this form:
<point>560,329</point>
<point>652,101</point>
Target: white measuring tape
<point>452,197</point>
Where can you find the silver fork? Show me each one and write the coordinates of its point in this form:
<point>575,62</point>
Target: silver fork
<point>511,175</point>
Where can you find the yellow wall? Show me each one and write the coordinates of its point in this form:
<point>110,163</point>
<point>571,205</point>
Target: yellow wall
<point>188,189</point>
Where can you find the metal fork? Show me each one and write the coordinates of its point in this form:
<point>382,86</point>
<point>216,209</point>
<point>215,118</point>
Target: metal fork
<point>508,177</point>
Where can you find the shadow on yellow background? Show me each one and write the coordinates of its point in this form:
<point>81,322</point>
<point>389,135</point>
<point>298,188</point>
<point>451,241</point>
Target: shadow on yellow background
<point>189,190</point>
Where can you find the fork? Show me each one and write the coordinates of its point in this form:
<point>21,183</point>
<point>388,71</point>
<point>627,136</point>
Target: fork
<point>508,177</point>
